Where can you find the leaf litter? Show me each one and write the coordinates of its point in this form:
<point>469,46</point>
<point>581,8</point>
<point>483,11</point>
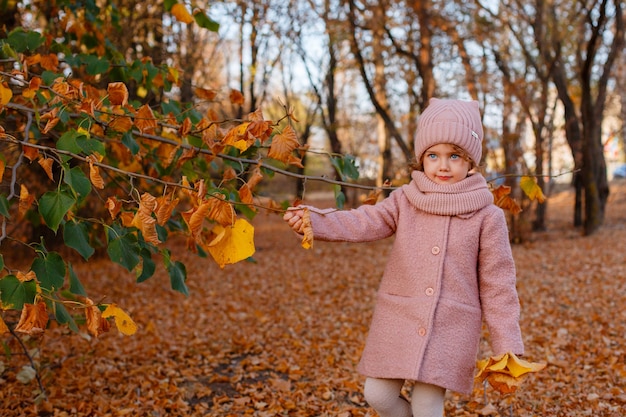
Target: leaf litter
<point>281,336</point>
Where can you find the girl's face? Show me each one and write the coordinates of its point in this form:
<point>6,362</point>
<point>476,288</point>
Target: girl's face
<point>444,165</point>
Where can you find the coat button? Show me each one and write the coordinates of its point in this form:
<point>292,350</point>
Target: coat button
<point>429,291</point>
<point>421,331</point>
<point>435,250</point>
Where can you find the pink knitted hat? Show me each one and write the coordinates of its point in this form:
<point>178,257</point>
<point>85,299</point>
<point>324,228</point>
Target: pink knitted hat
<point>450,121</point>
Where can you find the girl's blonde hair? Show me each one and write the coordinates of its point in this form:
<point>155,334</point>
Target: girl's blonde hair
<point>418,164</point>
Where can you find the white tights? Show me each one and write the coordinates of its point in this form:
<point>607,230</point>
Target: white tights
<point>383,395</point>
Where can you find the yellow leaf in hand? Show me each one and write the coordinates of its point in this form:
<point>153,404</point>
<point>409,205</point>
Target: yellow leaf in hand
<point>506,372</point>
<point>123,322</point>
<point>518,367</point>
<point>307,230</point>
<point>236,243</point>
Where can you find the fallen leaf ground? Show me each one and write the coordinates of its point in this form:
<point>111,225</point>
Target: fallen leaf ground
<point>282,336</point>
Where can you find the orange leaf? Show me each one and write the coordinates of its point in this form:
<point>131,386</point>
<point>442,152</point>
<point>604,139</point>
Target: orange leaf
<point>118,93</point>
<point>46,164</point>
<point>96,324</point>
<point>50,62</point>
<point>221,211</point>
<point>165,207</point>
<point>94,171</point>
<point>34,319</point>
<point>236,97</point>
<point>532,189</point>
<point>123,322</point>
<point>114,206</point>
<point>245,194</point>
<point>22,277</point>
<point>30,152</point>
<point>195,219</point>
<point>307,229</point>
<point>185,127</point>
<point>145,120</point>
<point>2,167</point>
<point>205,94</point>
<point>121,124</point>
<point>144,221</point>
<point>180,12</point>
<point>503,200</point>
<point>3,327</point>
<point>283,144</point>
<point>26,200</point>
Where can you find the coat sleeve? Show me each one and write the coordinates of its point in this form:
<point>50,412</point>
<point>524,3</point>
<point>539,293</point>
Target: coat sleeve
<point>498,293</point>
<point>364,224</point>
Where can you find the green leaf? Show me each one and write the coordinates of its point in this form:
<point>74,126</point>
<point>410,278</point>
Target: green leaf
<point>178,276</point>
<point>14,293</point>
<point>22,40</point>
<point>64,317</point>
<point>168,4</point>
<point>89,145</point>
<point>124,250</point>
<point>50,271</point>
<point>1,262</point>
<point>76,287</point>
<point>95,65</point>
<point>4,206</point>
<point>340,198</point>
<point>76,236</point>
<point>345,167</point>
<point>53,206</point>
<point>67,142</point>
<point>148,266</point>
<point>205,22</point>
<point>77,180</point>
<point>129,141</point>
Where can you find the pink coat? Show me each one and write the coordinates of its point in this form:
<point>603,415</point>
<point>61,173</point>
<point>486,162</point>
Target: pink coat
<point>450,267</point>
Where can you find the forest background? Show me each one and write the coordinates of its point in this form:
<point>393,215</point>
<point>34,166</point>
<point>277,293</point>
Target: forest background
<point>131,130</point>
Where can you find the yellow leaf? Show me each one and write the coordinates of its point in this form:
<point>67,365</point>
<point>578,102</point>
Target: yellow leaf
<point>179,11</point>
<point>532,189</point>
<point>5,94</point>
<point>307,239</point>
<point>2,167</point>
<point>236,245</point>
<point>114,206</point>
<point>123,322</point>
<point>518,367</point>
<point>26,200</point>
<point>506,372</point>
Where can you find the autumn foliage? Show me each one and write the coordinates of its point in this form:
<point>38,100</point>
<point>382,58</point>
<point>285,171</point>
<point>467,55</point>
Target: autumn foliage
<point>105,172</point>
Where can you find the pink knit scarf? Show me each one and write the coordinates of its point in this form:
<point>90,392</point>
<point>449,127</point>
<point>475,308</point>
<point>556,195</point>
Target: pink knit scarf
<point>463,197</point>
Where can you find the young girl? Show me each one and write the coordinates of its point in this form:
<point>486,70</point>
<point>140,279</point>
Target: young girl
<point>450,267</point>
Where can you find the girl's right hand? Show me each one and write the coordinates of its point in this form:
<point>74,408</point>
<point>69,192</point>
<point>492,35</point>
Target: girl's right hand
<point>293,217</point>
